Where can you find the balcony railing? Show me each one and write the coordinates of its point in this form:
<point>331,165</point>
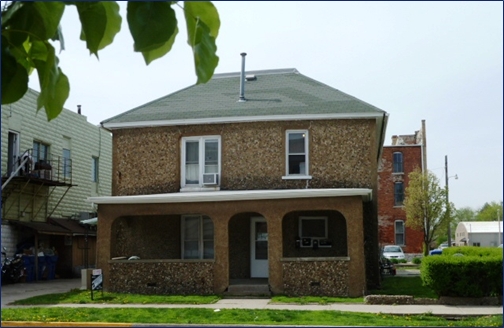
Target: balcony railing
<point>51,168</point>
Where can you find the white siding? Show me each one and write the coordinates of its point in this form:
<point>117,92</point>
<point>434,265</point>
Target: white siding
<point>85,140</point>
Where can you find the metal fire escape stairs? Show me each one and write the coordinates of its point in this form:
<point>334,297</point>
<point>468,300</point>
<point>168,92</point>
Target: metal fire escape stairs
<point>27,182</point>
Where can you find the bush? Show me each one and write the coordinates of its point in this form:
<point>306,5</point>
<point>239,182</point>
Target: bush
<point>473,251</point>
<point>417,260</point>
<point>463,276</point>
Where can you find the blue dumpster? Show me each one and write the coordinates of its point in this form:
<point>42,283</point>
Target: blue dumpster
<point>51,266</point>
<point>29,263</point>
<point>42,267</point>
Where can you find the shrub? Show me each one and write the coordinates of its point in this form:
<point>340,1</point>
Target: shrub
<point>395,261</point>
<point>417,260</point>
<point>463,276</point>
<point>473,251</point>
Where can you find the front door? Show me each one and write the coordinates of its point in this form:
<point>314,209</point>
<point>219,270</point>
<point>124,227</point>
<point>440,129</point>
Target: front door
<point>258,248</point>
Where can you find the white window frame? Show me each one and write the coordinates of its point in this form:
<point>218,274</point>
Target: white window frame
<point>201,239</point>
<point>403,233</point>
<point>306,175</point>
<point>201,142</point>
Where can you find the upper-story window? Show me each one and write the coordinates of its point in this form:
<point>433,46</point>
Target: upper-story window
<point>94,169</point>
<point>398,194</point>
<point>399,232</point>
<point>67,161</point>
<point>40,152</point>
<point>297,152</point>
<point>398,162</point>
<point>200,161</point>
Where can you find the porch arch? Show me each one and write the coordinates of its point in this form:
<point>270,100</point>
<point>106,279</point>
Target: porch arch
<point>336,235</point>
<point>239,245</point>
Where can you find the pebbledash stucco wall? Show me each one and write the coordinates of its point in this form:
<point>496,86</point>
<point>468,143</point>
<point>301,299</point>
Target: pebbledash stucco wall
<point>116,221</point>
<point>162,277</point>
<point>342,154</point>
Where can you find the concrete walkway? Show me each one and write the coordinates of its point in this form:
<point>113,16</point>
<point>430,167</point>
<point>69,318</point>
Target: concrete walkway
<point>11,293</point>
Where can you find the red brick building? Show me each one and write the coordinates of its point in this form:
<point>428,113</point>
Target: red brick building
<point>398,160</point>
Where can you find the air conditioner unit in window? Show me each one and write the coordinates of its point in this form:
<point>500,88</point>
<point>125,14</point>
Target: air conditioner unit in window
<point>210,178</point>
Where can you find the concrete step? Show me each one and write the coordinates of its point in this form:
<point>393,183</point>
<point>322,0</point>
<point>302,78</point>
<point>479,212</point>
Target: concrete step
<point>248,290</point>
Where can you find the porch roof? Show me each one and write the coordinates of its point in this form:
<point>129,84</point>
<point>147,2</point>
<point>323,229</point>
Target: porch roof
<point>233,195</point>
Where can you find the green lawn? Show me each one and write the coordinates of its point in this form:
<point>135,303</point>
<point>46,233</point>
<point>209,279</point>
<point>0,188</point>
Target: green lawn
<point>392,285</point>
<point>234,317</point>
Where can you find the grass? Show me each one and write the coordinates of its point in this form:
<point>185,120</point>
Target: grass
<point>235,316</point>
<point>395,285</point>
<point>392,285</point>
<point>76,296</point>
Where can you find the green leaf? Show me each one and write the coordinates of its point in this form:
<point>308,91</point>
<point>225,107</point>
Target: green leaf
<point>38,19</point>
<point>204,51</point>
<point>9,11</point>
<point>54,85</point>
<point>150,55</point>
<point>203,23</point>
<point>206,12</point>
<point>100,22</point>
<point>14,76</point>
<point>153,25</point>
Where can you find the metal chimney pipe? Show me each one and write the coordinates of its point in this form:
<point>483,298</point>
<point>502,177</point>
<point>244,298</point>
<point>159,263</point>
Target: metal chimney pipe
<point>242,79</point>
<point>79,109</point>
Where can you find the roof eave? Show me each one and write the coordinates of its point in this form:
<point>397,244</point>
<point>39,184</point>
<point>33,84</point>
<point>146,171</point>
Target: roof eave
<point>235,195</point>
<point>241,119</point>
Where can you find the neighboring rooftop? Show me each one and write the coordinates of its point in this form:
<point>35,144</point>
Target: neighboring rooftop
<point>482,226</point>
<point>270,95</point>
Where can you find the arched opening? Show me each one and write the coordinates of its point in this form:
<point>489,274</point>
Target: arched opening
<point>314,234</point>
<point>248,246</point>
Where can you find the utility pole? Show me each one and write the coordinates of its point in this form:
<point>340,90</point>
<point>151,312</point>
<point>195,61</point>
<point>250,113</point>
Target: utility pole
<point>498,224</point>
<point>447,201</point>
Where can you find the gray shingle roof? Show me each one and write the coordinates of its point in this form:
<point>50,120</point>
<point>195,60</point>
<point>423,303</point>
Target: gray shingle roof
<point>283,92</point>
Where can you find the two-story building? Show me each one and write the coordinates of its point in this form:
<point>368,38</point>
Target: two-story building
<point>265,180</point>
<point>49,169</point>
<point>397,162</point>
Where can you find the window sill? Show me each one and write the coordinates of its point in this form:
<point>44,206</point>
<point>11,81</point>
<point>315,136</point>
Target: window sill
<point>197,188</point>
<point>398,206</point>
<point>397,173</point>
<point>296,177</point>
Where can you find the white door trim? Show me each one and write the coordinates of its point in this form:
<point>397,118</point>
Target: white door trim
<point>258,268</point>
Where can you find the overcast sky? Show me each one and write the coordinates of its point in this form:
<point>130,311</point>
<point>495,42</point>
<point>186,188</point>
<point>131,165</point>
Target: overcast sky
<point>436,61</point>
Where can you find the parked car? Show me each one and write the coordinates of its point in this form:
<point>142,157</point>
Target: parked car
<point>443,245</point>
<point>393,252</point>
<point>437,251</point>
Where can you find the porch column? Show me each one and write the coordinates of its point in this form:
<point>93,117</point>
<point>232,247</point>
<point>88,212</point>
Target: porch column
<point>106,216</point>
<point>357,265</point>
<point>275,252</point>
<point>221,247</point>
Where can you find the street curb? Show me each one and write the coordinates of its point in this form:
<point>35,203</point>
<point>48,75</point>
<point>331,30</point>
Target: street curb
<point>62,324</point>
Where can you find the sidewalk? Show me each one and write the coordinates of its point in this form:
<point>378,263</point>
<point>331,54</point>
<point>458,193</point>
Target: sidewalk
<point>18,291</point>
